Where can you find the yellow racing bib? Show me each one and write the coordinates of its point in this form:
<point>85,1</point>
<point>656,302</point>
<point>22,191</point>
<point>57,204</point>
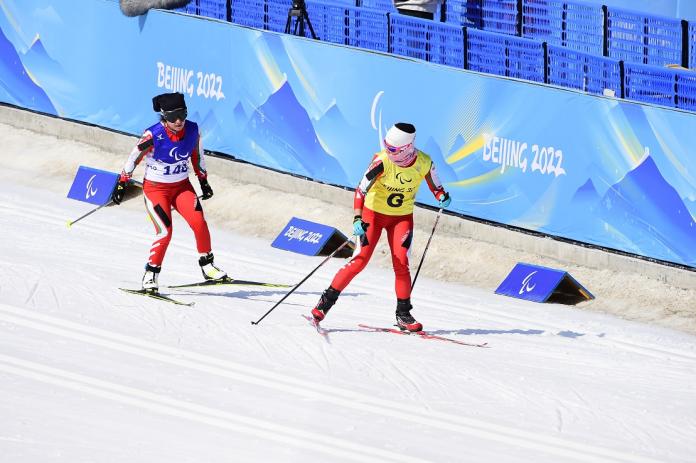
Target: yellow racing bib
<point>394,192</point>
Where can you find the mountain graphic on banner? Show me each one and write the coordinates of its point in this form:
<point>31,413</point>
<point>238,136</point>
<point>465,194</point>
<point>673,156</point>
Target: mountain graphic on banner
<point>341,137</point>
<point>644,206</point>
<point>16,85</point>
<point>283,130</point>
<point>332,116</point>
<point>37,58</point>
<point>577,219</point>
<point>209,127</point>
<point>691,206</point>
<point>586,195</point>
<point>240,116</point>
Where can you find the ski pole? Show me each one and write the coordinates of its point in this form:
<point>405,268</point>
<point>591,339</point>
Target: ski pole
<point>303,280</point>
<point>72,222</point>
<point>437,219</point>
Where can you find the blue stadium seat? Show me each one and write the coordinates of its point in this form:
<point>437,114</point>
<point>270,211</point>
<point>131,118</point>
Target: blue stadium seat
<point>209,8</point>
<point>685,87</point>
<point>578,26</point>
<point>248,13</point>
<point>368,28</point>
<point>490,15</point>
<point>426,39</point>
<point>212,8</point>
<point>649,84</point>
<point>635,37</point>
<point>660,85</point>
<point>562,43</point>
<point>382,5</point>
<point>582,71</point>
<point>335,21</point>
<point>190,8</point>
<point>504,55</point>
<point>691,37</point>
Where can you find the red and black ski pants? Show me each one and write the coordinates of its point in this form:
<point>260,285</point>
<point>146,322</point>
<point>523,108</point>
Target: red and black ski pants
<point>399,235</point>
<point>160,199</point>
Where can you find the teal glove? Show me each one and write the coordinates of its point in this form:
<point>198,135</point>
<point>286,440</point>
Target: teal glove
<point>358,226</point>
<point>445,200</point>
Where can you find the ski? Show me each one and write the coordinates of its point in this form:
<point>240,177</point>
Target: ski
<point>315,324</point>
<point>422,334</point>
<point>229,281</point>
<point>158,296</point>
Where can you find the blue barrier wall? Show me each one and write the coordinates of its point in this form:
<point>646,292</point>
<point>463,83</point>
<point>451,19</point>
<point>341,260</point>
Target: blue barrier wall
<point>597,170</point>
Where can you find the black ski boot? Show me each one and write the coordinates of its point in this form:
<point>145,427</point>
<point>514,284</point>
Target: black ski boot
<point>326,301</point>
<point>404,319</point>
<point>208,268</point>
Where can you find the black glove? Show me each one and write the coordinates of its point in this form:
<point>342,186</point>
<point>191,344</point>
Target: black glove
<point>206,189</point>
<point>119,191</point>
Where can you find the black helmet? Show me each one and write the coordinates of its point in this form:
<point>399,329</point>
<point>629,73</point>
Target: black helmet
<point>168,102</point>
<point>171,106</point>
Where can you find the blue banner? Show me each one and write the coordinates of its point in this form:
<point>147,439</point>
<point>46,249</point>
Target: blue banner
<point>303,236</point>
<point>597,170</point>
<point>93,186</point>
<point>539,284</point>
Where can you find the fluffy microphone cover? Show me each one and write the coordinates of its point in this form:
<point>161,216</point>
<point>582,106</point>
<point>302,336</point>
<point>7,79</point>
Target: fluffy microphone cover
<point>138,7</point>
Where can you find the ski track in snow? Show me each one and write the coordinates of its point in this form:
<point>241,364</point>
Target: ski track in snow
<point>293,367</point>
<point>181,409</point>
<point>484,313</point>
<point>232,370</point>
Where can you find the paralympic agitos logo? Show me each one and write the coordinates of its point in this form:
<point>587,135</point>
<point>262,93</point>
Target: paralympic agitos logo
<point>174,153</point>
<point>402,179</point>
<point>91,191</point>
<point>527,286</point>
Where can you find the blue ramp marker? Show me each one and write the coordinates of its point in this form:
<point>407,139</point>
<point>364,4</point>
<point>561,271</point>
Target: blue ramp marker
<point>312,239</point>
<point>93,186</point>
<point>543,284</point>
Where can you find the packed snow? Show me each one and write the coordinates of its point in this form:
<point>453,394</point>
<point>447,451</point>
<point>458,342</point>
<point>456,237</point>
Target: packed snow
<point>89,373</point>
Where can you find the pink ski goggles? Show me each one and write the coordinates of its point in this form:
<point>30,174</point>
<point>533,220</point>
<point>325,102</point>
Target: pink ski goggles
<point>400,155</point>
<point>395,149</point>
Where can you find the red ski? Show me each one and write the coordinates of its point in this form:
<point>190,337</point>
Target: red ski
<point>317,327</point>
<point>422,334</point>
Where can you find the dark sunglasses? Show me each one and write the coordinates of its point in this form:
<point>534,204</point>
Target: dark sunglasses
<point>176,114</point>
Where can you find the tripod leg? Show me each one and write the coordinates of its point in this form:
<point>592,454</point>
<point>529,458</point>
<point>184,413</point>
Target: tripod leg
<point>309,23</point>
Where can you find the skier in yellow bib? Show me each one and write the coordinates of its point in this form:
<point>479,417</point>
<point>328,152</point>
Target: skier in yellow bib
<point>384,200</point>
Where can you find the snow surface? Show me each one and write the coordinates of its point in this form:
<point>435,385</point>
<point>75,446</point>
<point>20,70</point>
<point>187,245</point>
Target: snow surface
<point>91,374</point>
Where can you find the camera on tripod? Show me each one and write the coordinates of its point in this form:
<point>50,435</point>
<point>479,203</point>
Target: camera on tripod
<point>298,10</point>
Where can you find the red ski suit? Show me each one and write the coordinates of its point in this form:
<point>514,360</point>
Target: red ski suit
<point>385,199</point>
<point>166,185</point>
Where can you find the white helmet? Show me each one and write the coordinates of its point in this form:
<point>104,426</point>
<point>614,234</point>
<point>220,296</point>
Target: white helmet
<point>398,143</point>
